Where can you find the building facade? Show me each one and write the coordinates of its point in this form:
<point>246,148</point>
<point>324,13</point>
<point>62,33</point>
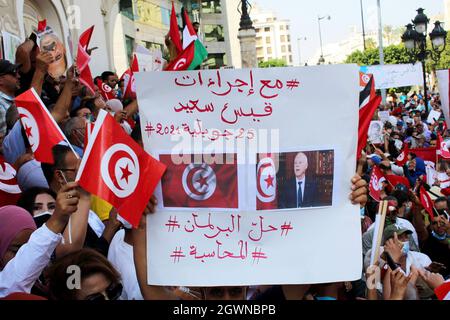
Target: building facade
<point>273,36</point>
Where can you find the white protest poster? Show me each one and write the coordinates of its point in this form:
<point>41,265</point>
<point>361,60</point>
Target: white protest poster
<point>235,142</point>
<point>395,75</point>
<point>376,132</point>
<point>383,116</point>
<point>443,84</point>
<point>145,58</point>
<point>10,44</point>
<point>433,116</point>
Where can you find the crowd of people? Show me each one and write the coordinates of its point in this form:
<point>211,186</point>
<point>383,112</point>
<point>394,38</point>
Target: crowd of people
<point>40,250</point>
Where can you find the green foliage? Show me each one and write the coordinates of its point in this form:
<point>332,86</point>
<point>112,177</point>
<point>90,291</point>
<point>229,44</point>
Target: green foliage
<point>272,63</point>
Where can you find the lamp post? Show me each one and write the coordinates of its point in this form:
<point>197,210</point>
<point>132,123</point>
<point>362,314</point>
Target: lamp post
<point>319,18</point>
<point>415,40</point>
<point>299,50</point>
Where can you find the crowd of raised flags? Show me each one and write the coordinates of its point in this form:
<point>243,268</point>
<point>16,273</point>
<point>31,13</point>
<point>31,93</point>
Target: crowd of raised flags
<point>113,166</point>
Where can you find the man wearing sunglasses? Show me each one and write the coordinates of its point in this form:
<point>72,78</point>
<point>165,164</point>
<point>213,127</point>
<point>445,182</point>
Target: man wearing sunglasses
<point>9,83</point>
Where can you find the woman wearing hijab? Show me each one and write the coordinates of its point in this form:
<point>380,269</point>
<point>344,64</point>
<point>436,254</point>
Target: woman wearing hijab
<point>25,251</point>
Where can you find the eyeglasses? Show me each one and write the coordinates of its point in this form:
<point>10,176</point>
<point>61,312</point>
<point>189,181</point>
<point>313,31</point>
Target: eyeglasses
<point>113,292</point>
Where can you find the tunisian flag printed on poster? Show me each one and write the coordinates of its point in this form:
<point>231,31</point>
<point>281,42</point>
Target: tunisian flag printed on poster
<point>116,169</point>
<point>40,128</point>
<point>199,184</point>
<point>266,183</point>
<point>376,184</point>
<point>9,189</point>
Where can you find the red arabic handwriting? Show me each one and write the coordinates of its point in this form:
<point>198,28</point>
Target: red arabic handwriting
<point>222,88</point>
<point>260,231</point>
<point>217,230</point>
<point>218,253</point>
<point>198,131</point>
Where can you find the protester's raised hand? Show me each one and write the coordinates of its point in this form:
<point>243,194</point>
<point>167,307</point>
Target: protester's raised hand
<point>43,60</point>
<point>66,204</point>
<point>120,116</point>
<point>394,248</point>
<point>399,284</point>
<point>151,206</point>
<point>433,280</point>
<point>359,190</point>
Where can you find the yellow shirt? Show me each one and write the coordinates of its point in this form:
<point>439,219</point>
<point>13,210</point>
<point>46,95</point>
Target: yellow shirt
<point>100,207</point>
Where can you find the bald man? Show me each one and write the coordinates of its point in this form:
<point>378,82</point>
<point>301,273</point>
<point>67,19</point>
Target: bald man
<point>300,191</point>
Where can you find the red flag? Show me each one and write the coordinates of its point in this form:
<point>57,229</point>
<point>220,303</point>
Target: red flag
<point>266,184</point>
<point>442,149</point>
<point>394,180</point>
<point>376,183</point>
<point>129,80</point>
<point>40,128</point>
<point>89,129</point>
<point>198,184</point>
<point>174,31</point>
<point>184,60</point>
<point>118,170</point>
<point>83,59</point>
<point>9,189</point>
<point>426,202</point>
<point>42,25</point>
<point>427,154</point>
<point>443,291</point>
<point>365,116</point>
<point>402,158</point>
<point>106,91</point>
<point>367,86</point>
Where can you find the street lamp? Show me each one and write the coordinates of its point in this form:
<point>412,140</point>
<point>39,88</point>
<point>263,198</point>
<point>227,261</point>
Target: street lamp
<point>415,40</point>
<point>299,50</point>
<point>319,18</point>
<point>246,22</point>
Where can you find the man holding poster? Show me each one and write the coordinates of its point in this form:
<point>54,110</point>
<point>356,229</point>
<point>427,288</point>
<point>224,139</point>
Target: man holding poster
<point>207,114</point>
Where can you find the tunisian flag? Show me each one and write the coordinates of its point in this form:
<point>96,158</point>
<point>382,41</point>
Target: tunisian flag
<point>40,128</point>
<point>365,116</point>
<point>174,31</point>
<point>402,158</point>
<point>9,189</point>
<point>426,202</point>
<point>442,148</point>
<point>200,184</point>
<point>376,184</point>
<point>106,91</point>
<point>266,184</point>
<point>129,81</point>
<point>118,170</point>
<point>83,59</point>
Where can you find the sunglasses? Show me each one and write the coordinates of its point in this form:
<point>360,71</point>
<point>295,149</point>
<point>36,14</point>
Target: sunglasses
<point>113,292</point>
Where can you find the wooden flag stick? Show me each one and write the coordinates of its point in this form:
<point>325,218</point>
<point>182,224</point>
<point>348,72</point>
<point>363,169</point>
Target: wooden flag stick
<point>378,235</point>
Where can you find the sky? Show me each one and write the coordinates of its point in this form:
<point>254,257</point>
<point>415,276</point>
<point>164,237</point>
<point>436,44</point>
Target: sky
<point>344,14</point>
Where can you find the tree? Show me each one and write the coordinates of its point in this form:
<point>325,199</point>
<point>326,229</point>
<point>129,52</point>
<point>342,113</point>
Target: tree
<point>272,63</point>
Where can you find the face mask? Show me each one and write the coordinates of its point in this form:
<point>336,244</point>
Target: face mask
<point>405,248</point>
<point>407,209</point>
<point>112,113</point>
<point>43,214</point>
<point>398,144</point>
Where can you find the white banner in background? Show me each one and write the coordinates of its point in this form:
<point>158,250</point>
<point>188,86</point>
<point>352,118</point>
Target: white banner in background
<point>229,209</point>
<point>395,75</point>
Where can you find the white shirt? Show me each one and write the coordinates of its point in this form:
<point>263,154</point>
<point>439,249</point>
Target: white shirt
<point>417,259</point>
<point>120,254</point>
<point>95,223</point>
<point>303,187</point>
<point>20,274</point>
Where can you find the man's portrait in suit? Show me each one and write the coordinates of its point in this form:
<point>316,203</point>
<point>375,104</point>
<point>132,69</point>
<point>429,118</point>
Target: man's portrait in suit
<point>307,180</point>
